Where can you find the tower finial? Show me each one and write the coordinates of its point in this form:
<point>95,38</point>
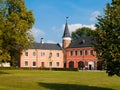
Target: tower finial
<point>67,19</point>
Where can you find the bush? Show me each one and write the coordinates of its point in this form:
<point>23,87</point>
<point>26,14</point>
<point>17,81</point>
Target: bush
<point>31,68</point>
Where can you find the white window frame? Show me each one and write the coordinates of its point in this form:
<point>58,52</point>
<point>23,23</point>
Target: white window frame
<point>57,64</point>
<point>58,54</point>
<point>26,53</point>
<point>33,63</point>
<point>26,63</point>
<point>34,53</point>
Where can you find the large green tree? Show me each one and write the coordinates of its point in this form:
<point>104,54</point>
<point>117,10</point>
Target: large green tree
<point>82,32</point>
<point>3,53</point>
<point>108,38</point>
<point>15,31</point>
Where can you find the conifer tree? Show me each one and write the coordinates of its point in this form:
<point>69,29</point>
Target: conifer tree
<point>108,38</point>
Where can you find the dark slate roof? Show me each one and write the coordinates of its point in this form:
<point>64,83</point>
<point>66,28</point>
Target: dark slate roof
<point>46,46</point>
<point>66,31</point>
<point>82,42</point>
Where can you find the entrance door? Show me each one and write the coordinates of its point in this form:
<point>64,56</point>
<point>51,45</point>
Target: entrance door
<point>90,67</point>
<point>42,64</point>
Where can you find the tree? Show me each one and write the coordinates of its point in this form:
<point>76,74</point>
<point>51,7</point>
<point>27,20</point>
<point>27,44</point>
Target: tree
<point>15,29</point>
<point>3,53</point>
<point>82,32</point>
<point>108,38</point>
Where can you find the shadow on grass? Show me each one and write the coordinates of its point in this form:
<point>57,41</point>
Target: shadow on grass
<point>54,86</point>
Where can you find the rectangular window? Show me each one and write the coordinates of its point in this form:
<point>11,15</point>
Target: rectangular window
<point>75,53</point>
<point>80,52</point>
<point>57,64</point>
<point>91,52</point>
<point>71,53</point>
<point>26,53</point>
<point>34,54</point>
<point>50,63</point>
<point>26,63</point>
<point>42,53</point>
<point>57,54</point>
<point>50,54</point>
<point>86,52</point>
<point>34,63</point>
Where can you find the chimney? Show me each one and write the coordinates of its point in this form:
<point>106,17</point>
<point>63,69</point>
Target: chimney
<point>42,40</point>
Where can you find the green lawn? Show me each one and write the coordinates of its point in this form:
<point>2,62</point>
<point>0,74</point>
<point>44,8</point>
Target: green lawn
<point>57,80</point>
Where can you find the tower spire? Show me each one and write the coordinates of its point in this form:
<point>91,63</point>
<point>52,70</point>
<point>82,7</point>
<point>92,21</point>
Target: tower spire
<point>66,30</point>
<point>66,35</point>
<point>67,19</point>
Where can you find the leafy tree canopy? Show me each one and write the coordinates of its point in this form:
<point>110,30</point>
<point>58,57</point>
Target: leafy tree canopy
<point>15,24</point>
<point>82,32</point>
<point>108,38</point>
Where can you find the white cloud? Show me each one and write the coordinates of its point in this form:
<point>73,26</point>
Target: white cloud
<point>94,15</point>
<point>73,27</point>
<point>37,32</point>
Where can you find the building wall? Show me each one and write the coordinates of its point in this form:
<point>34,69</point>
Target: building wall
<point>66,42</point>
<point>42,58</point>
<point>89,60</point>
<point>5,64</point>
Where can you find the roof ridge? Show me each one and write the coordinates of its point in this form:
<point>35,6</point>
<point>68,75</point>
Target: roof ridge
<point>47,46</point>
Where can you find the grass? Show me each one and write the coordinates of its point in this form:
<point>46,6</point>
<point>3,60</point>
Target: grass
<point>57,80</point>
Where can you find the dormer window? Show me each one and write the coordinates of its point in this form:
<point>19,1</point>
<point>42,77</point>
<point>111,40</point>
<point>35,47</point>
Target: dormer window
<point>82,41</point>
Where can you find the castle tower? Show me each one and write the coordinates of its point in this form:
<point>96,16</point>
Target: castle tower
<point>66,39</point>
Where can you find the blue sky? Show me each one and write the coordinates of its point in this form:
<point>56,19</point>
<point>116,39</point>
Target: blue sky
<point>50,16</point>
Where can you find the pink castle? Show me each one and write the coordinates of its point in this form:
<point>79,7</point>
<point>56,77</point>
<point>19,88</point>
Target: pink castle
<point>78,54</point>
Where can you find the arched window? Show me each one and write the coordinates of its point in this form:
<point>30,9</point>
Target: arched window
<point>81,65</point>
<point>71,64</point>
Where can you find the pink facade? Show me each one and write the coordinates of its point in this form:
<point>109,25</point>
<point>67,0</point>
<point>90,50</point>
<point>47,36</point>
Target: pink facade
<point>78,54</point>
<point>42,58</point>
